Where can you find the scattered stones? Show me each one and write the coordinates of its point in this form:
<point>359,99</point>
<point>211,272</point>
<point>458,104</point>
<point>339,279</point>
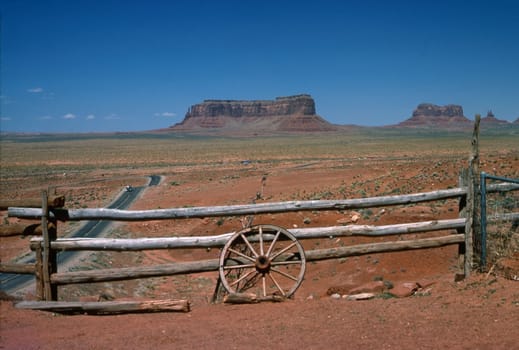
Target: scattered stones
<point>371,289</point>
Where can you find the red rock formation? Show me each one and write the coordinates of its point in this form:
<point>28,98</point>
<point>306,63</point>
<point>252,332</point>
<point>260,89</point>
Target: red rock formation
<point>490,119</point>
<point>292,113</point>
<point>429,115</point>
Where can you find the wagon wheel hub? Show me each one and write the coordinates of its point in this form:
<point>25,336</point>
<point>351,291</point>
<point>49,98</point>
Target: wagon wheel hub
<point>262,264</point>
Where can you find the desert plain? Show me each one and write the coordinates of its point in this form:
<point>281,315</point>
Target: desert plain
<point>91,171</point>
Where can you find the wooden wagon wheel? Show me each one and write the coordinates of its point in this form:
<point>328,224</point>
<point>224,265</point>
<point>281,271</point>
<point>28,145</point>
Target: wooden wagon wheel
<point>265,260</point>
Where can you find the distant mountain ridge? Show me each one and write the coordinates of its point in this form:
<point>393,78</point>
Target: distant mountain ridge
<point>449,117</point>
<point>298,114</point>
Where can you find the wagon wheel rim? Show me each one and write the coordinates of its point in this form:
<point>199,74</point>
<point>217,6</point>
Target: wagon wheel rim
<point>265,260</point>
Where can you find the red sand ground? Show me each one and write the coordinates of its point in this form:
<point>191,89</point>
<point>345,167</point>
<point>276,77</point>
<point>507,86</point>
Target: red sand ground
<point>478,313</point>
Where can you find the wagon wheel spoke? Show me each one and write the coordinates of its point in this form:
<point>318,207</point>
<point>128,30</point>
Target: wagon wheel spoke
<point>278,263</point>
<point>242,255</point>
<point>273,243</point>
<point>293,278</point>
<point>260,233</point>
<point>264,260</point>
<point>243,266</point>
<point>242,278</point>
<point>283,250</point>
<point>249,245</point>
<point>277,284</point>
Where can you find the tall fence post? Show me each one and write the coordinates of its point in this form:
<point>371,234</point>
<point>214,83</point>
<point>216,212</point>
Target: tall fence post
<point>483,219</point>
<point>472,240</point>
<point>462,213</point>
<point>49,232</point>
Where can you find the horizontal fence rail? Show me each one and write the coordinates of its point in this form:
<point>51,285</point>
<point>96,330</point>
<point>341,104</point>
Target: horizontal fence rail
<point>117,274</point>
<point>234,210</point>
<point>137,244</point>
<point>246,209</point>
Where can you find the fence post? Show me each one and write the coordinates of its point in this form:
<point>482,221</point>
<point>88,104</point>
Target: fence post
<point>462,213</point>
<point>472,241</point>
<point>50,292</point>
<point>38,273</point>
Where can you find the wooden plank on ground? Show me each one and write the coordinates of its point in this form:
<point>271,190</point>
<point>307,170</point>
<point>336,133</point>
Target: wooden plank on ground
<point>107,307</point>
<point>250,298</point>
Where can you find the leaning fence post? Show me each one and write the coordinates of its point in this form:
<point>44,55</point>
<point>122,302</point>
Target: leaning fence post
<point>49,234</point>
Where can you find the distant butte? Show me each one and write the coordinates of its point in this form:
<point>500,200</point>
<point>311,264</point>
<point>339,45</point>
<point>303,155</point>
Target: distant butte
<point>430,115</point>
<point>492,120</point>
<point>297,114</point>
<point>284,114</point>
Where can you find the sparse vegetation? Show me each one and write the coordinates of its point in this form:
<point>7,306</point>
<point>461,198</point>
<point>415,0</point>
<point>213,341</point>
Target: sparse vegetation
<point>207,171</point>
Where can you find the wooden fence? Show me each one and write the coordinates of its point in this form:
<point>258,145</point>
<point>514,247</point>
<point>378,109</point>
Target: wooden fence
<point>464,231</point>
<point>46,247</point>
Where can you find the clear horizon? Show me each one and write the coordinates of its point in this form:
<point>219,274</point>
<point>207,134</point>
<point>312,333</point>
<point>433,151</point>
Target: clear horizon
<point>107,66</point>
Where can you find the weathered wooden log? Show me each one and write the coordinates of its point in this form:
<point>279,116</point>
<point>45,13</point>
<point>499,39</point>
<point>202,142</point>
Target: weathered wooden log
<point>20,229</point>
<point>241,298</point>
<point>28,269</point>
<point>53,202</point>
<point>126,273</point>
<point>250,298</point>
<point>106,307</point>
<point>246,209</point>
<point>384,247</point>
<point>137,244</point>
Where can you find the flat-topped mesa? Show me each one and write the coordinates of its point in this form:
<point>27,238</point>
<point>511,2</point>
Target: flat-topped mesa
<point>299,104</point>
<point>430,115</point>
<point>290,113</point>
<point>430,110</point>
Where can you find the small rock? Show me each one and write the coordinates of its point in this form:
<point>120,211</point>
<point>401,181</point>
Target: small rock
<point>343,221</point>
<point>360,296</point>
<point>423,284</point>
<point>355,218</point>
<point>402,290</point>
<point>370,287</point>
<point>335,296</point>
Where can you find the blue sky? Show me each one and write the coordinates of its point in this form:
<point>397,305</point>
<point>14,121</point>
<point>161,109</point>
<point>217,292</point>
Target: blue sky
<point>84,66</point>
